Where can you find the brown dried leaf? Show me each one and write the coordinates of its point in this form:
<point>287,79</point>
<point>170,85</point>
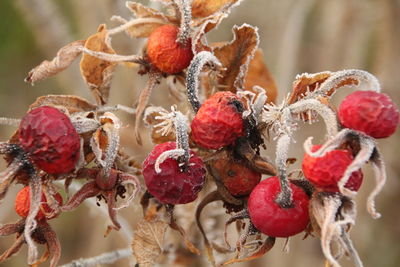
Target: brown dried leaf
<point>97,72</point>
<point>148,239</point>
<point>70,102</point>
<point>267,246</point>
<point>205,8</point>
<point>65,56</point>
<point>258,74</point>
<point>306,82</point>
<point>236,56</point>
<point>145,28</point>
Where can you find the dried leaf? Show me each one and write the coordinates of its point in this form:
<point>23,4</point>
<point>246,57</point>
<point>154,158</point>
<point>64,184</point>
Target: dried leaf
<point>70,102</point>
<point>258,74</point>
<point>97,72</point>
<point>143,28</point>
<point>306,83</point>
<point>267,246</point>
<point>205,8</point>
<point>236,56</point>
<point>148,239</point>
<point>65,56</point>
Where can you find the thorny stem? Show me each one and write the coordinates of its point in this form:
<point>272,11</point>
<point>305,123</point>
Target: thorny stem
<point>340,76</point>
<point>193,74</point>
<point>105,258</point>
<point>134,22</point>
<point>113,57</point>
<point>35,187</point>
<point>185,8</point>
<point>284,198</point>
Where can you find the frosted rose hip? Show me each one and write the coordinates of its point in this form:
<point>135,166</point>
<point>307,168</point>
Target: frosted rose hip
<point>269,218</point>
<point>370,112</point>
<point>174,184</point>
<point>219,121</point>
<point>50,140</point>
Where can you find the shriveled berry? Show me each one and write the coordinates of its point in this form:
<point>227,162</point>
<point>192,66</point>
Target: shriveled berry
<point>166,53</point>
<point>50,140</point>
<point>325,172</point>
<point>175,184</point>
<point>269,218</point>
<point>370,112</point>
<point>219,121</point>
<point>22,205</point>
<point>238,179</point>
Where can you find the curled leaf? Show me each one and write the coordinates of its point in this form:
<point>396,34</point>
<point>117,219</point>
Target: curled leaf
<point>148,239</point>
<point>259,75</point>
<point>236,56</point>
<point>205,8</point>
<point>70,102</point>
<point>97,72</point>
<point>65,56</point>
<point>147,20</point>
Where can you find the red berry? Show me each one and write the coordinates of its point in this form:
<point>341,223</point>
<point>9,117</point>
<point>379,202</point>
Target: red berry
<point>22,204</point>
<point>238,179</point>
<point>174,184</point>
<point>269,218</point>
<point>325,172</point>
<point>370,112</point>
<point>50,139</point>
<point>219,121</point>
<point>166,53</point>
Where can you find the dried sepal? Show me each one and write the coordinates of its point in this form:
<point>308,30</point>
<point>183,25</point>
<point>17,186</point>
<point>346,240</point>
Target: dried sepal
<point>236,56</point>
<point>259,77</point>
<point>158,135</point>
<point>15,248</point>
<point>97,72</point>
<point>332,216</point>
<point>8,175</point>
<point>65,56</point>
<point>144,96</point>
<point>147,20</point>
<point>193,73</point>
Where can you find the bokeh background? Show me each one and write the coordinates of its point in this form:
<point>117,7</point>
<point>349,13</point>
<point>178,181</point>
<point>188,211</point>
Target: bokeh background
<point>296,36</point>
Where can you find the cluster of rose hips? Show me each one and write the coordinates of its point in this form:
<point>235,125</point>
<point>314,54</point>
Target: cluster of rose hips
<point>59,140</point>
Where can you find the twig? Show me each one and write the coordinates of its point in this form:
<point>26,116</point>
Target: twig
<point>105,258</point>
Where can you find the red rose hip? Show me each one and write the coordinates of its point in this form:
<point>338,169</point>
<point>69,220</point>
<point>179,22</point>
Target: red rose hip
<point>238,179</point>
<point>219,121</point>
<point>166,53</point>
<point>22,205</point>
<point>49,138</point>
<point>370,112</point>
<point>175,184</point>
<point>269,218</point>
<point>325,172</point>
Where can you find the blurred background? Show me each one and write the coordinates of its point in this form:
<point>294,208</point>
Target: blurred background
<point>297,36</point>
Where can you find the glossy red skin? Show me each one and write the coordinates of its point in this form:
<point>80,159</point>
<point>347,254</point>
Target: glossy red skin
<point>22,205</point>
<point>269,218</point>
<point>218,122</point>
<point>325,172</point>
<point>50,140</point>
<point>238,179</point>
<point>165,53</point>
<point>173,185</point>
<point>370,112</point>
